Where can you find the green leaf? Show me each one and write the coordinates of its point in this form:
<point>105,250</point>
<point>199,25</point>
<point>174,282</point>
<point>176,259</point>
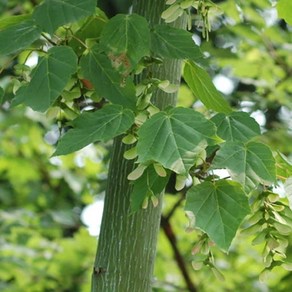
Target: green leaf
<point>48,79</point>
<point>283,167</point>
<point>1,95</point>
<point>53,13</point>
<point>288,190</point>
<point>126,38</point>
<point>250,164</point>
<point>175,138</point>
<point>170,42</point>
<point>219,208</point>
<point>149,182</point>
<point>16,34</point>
<point>284,8</point>
<point>237,126</point>
<point>203,88</point>
<point>106,80</point>
<point>89,127</point>
<point>90,29</point>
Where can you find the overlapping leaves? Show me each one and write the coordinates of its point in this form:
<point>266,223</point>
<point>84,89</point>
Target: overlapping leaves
<point>219,208</point>
<point>148,184</point>
<point>53,13</point>
<point>126,38</point>
<point>106,80</point>
<point>249,163</point>
<point>48,79</point>
<point>238,126</point>
<point>89,127</point>
<point>175,138</point>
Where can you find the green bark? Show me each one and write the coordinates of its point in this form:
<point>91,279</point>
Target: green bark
<point>127,243</point>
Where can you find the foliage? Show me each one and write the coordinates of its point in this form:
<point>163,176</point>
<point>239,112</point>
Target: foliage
<point>87,74</point>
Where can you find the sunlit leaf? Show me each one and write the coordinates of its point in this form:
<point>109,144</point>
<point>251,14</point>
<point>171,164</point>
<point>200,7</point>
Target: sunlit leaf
<point>170,42</point>
<point>250,164</point>
<point>203,88</point>
<point>219,208</point>
<point>18,34</point>
<point>106,80</point>
<point>288,190</point>
<point>284,8</point>
<point>126,38</point>
<point>48,79</point>
<point>174,138</point>
<point>283,167</point>
<point>53,13</point>
<point>89,127</point>
<point>237,126</point>
<point>151,182</point>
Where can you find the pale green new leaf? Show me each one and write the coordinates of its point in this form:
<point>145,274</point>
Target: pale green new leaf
<point>48,79</point>
<point>149,182</point>
<point>250,164</point>
<point>175,138</point>
<point>203,88</point>
<point>170,42</point>
<point>89,127</point>
<point>126,38</point>
<point>53,13</point>
<point>17,33</point>
<point>288,190</point>
<point>106,80</point>
<point>237,126</point>
<point>284,8</point>
<point>219,208</point>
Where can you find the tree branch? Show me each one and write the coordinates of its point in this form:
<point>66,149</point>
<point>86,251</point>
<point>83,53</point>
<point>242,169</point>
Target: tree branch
<point>167,228</point>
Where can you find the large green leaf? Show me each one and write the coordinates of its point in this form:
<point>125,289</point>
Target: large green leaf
<point>238,126</point>
<point>174,138</point>
<point>53,13</point>
<point>106,80</point>
<point>149,184</point>
<point>48,79</point>
<point>250,164</point>
<point>219,208</point>
<point>126,38</point>
<point>90,29</point>
<point>170,42</point>
<point>101,125</point>
<point>284,8</point>
<point>17,33</point>
<point>203,88</point>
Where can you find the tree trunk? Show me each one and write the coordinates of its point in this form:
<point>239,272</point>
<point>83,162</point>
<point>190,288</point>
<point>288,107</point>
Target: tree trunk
<point>127,243</point>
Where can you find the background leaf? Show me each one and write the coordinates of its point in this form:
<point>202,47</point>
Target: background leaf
<point>53,13</point>
<point>127,38</point>
<point>1,95</point>
<point>250,164</point>
<point>89,127</point>
<point>203,88</point>
<point>284,8</point>
<point>17,34</point>
<point>219,208</point>
<point>170,42</point>
<point>48,79</point>
<point>288,190</point>
<point>174,138</point>
<point>106,80</point>
<point>237,126</point>
<point>148,182</point>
